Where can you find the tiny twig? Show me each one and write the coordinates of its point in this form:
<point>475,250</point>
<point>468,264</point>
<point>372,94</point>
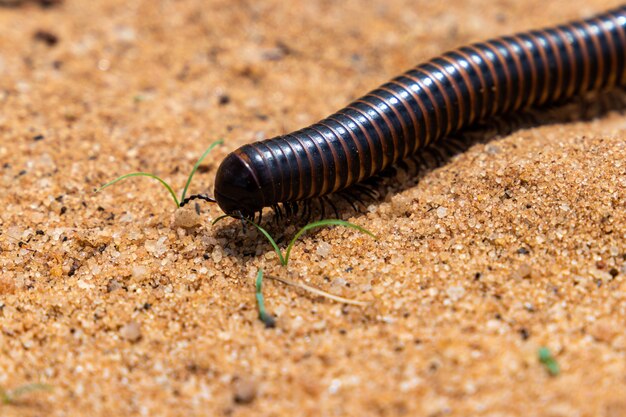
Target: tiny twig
<point>319,292</point>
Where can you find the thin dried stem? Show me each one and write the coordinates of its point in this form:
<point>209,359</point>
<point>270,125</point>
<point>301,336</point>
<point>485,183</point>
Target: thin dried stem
<point>319,292</point>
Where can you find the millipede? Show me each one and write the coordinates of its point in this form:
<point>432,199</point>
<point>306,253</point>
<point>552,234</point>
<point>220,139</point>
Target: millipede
<point>420,107</point>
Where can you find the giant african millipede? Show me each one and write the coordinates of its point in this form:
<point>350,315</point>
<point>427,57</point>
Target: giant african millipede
<point>421,106</point>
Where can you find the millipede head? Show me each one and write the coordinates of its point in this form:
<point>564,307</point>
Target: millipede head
<point>237,189</point>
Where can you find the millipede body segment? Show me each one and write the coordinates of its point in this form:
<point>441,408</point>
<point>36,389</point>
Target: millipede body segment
<point>423,105</point>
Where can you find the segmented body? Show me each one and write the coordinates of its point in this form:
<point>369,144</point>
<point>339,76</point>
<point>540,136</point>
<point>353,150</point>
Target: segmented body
<point>423,105</point>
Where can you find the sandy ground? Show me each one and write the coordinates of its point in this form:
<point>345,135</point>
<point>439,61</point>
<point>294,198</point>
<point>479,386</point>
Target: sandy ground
<point>514,244</point>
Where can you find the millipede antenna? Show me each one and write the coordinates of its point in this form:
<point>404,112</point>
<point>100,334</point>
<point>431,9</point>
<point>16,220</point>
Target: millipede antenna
<point>197,197</point>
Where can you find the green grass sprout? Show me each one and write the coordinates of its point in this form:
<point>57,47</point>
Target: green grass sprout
<point>322,223</point>
<point>264,316</point>
<point>284,259</point>
<point>219,218</point>
<point>195,167</point>
<point>9,397</point>
<point>163,182</point>
<point>550,363</point>
<point>142,174</point>
<point>271,240</point>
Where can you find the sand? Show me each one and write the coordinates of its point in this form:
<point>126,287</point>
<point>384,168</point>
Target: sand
<point>513,245</point>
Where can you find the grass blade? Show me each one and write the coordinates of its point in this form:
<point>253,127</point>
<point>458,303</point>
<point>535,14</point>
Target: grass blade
<point>322,223</point>
<point>26,388</point>
<point>550,363</point>
<point>220,218</point>
<point>141,174</point>
<point>7,397</point>
<point>269,237</point>
<point>266,318</point>
<point>195,167</point>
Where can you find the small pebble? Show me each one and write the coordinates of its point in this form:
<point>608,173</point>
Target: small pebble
<point>323,249</point>
<point>217,254</point>
<point>524,271</point>
<point>131,332</point>
<point>46,37</point>
<point>187,218</point>
<point>113,285</point>
<point>604,330</point>
<point>156,247</point>
<point>245,391</point>
<point>455,293</point>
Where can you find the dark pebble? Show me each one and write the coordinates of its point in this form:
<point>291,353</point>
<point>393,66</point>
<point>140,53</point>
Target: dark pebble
<point>113,285</point>
<point>223,99</point>
<point>524,333</point>
<point>73,268</point>
<point>46,37</point>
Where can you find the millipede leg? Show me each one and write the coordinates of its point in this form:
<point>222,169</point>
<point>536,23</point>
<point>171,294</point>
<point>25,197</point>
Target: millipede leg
<point>352,195</point>
<point>367,191</point>
<point>439,157</point>
<point>277,213</point>
<point>332,205</point>
<point>303,210</point>
<point>345,196</point>
<point>322,208</point>
<point>242,218</point>
<point>295,208</point>
<point>308,211</point>
<point>402,164</point>
<point>288,209</point>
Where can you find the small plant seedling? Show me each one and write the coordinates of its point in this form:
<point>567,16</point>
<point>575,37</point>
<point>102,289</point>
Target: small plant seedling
<point>550,363</point>
<point>163,182</point>
<point>264,316</point>
<point>321,223</point>
<point>284,259</point>
<point>269,320</point>
<point>10,396</point>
